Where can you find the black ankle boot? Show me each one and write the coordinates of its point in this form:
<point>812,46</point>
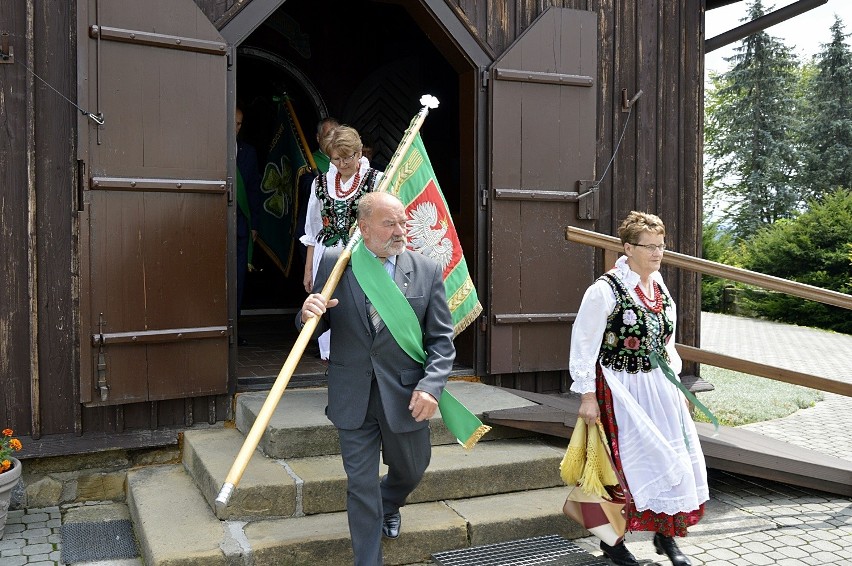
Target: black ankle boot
<point>666,545</point>
<point>619,554</point>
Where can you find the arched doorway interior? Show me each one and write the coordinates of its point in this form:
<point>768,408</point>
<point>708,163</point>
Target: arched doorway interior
<point>367,64</point>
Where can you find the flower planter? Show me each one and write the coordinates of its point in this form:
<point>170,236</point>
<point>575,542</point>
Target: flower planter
<point>8,480</point>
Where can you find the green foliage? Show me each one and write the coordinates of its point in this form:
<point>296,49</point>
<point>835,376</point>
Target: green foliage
<point>719,246</point>
<point>778,175</point>
<point>751,127</point>
<point>740,398</point>
<point>827,139</point>
<point>813,248</point>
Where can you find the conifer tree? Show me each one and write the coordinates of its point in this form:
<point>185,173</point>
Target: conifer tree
<point>827,135</point>
<point>751,126</point>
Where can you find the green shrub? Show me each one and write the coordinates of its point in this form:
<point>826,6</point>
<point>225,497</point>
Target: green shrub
<point>812,248</point>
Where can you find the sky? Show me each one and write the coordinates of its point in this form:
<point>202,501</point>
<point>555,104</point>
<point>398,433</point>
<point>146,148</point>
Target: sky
<point>805,33</point>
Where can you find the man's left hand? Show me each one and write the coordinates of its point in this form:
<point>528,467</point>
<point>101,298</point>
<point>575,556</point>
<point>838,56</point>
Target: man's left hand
<point>422,406</point>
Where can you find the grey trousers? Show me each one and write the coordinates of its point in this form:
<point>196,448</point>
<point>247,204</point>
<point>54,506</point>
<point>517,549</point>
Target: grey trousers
<point>368,499</point>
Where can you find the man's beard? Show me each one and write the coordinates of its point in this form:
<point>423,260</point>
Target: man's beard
<point>394,246</point>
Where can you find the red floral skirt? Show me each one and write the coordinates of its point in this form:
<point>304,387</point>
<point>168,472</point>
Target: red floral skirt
<point>647,520</point>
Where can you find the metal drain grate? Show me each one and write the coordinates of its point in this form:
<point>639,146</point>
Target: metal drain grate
<point>91,542</point>
<point>551,550</point>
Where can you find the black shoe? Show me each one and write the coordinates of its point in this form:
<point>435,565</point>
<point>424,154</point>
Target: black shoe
<point>391,524</point>
<point>666,545</point>
<point>619,554</point>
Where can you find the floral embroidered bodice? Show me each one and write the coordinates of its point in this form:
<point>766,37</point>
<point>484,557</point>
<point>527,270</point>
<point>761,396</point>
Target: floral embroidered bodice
<point>338,215</point>
<point>633,331</point>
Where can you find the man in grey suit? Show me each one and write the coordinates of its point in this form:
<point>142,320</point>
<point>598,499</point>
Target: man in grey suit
<point>379,396</point>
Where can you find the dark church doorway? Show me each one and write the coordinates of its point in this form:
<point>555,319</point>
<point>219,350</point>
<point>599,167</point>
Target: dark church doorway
<point>366,64</point>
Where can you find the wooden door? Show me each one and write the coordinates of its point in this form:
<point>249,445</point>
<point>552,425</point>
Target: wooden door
<point>154,200</point>
<point>543,96</point>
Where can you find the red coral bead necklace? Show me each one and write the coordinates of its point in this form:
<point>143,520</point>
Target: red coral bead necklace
<point>340,191</point>
<point>655,306</point>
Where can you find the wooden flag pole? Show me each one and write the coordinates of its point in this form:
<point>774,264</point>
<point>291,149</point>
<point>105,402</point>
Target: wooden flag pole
<point>428,102</point>
<point>265,415</point>
<point>305,147</point>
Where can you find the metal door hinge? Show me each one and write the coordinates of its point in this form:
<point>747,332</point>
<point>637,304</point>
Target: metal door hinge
<point>483,197</point>
<point>483,323</point>
<point>81,184</point>
<point>486,75</point>
<point>230,191</point>
<point>6,54</point>
<point>101,386</point>
<point>588,203</point>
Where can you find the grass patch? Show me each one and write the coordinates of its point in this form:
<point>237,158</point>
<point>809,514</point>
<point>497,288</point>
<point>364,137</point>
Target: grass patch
<point>741,399</point>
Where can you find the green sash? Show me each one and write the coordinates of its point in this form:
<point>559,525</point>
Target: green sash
<point>657,361</point>
<point>243,204</point>
<point>402,322</point>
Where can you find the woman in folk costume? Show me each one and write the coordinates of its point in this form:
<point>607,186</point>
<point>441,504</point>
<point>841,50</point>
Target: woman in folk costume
<point>334,202</point>
<point>622,344</point>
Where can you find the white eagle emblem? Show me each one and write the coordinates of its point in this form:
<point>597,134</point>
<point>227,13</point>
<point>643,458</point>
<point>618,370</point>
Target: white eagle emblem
<point>427,235</point>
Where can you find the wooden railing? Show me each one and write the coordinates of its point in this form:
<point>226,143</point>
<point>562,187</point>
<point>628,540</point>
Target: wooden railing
<point>707,267</point>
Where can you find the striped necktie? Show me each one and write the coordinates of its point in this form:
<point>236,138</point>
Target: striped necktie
<point>375,318</point>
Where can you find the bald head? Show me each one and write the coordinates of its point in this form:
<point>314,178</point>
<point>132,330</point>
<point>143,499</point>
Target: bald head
<point>368,203</point>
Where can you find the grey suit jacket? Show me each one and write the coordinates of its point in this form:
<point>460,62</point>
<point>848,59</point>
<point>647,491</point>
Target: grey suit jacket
<point>356,354</point>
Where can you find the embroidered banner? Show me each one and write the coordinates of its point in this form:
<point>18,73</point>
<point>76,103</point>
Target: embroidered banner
<point>286,162</point>
<point>431,231</point>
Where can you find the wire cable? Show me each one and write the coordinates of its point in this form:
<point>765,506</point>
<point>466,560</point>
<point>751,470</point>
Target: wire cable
<point>97,118</point>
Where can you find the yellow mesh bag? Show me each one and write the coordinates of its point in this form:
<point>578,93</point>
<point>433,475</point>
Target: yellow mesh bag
<point>571,468</point>
<point>586,462</point>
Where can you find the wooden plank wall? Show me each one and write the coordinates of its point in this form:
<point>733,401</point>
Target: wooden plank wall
<point>38,190</point>
<point>39,303</point>
<point>655,46</point>
<point>216,10</point>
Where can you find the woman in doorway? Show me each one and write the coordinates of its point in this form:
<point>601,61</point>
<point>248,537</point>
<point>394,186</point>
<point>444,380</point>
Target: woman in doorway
<point>622,346</point>
<point>334,202</point>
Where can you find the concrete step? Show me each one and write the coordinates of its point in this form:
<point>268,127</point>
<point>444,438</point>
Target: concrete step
<point>299,428</point>
<point>176,527</point>
<point>313,485</point>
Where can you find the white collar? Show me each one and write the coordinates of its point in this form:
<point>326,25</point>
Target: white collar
<point>628,276</point>
<point>390,258</point>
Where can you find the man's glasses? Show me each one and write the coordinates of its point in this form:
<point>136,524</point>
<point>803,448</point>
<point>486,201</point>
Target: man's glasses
<point>651,247</point>
<point>344,160</point>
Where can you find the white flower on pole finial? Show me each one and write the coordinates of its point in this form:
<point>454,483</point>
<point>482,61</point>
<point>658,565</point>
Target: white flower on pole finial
<point>429,101</point>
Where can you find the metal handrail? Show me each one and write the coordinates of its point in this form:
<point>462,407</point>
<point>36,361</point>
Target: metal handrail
<point>693,354</point>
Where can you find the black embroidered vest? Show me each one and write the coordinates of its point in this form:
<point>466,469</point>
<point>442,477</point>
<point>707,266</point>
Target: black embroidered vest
<point>633,332</point>
<point>338,216</point>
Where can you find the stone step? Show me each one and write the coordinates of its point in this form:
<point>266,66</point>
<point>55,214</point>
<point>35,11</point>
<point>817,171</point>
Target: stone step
<point>171,519</point>
<point>313,485</point>
<point>176,527</point>
<point>299,428</point>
